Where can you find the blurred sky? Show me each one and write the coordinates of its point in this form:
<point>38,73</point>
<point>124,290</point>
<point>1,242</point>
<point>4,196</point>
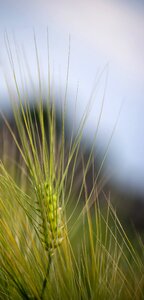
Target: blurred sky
<point>107,44</point>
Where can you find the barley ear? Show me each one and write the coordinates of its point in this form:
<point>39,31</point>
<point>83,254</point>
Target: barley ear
<point>51,227</point>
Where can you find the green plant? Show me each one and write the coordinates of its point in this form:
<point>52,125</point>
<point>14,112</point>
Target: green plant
<point>55,240</point>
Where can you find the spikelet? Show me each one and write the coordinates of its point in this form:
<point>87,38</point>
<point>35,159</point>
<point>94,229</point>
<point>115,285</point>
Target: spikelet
<point>51,230</point>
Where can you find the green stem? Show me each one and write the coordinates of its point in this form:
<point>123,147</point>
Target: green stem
<point>46,277</point>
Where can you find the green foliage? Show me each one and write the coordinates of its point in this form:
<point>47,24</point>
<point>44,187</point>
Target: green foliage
<point>55,241</point>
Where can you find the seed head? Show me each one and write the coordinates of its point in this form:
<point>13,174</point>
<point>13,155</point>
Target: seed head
<point>51,213</point>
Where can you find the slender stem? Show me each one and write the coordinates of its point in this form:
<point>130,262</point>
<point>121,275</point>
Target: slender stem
<point>46,277</point>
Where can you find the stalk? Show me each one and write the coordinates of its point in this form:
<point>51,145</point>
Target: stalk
<point>46,277</point>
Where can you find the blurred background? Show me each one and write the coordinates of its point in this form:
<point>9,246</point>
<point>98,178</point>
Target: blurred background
<point>106,61</point>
